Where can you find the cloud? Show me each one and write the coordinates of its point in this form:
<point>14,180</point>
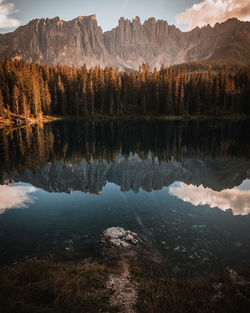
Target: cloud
<point>15,197</point>
<point>235,199</point>
<point>213,11</point>
<point>6,9</point>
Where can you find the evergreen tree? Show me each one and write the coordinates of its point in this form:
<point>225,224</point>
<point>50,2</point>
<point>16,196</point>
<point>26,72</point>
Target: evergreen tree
<point>191,89</point>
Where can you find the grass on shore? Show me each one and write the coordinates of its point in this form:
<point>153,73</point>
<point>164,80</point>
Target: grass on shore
<point>214,293</point>
<point>46,287</point>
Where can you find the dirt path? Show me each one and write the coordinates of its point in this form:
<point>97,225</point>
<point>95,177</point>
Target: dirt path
<point>125,295</point>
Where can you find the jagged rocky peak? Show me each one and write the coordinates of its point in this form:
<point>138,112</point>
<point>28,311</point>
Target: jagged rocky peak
<point>150,20</point>
<point>93,17</point>
<point>57,20</point>
<point>46,21</point>
<point>151,28</point>
<point>136,21</point>
<point>230,21</point>
<point>156,29</point>
<point>88,18</point>
<point>123,21</point>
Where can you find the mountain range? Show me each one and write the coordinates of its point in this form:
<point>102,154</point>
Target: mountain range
<point>81,41</point>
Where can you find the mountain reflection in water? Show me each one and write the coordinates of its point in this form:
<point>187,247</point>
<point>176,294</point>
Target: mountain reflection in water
<point>179,184</point>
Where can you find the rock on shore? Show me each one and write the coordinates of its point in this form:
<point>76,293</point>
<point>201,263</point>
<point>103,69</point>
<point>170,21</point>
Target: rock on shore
<point>119,237</point>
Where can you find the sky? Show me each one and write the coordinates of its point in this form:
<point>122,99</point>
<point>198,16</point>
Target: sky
<point>186,14</point>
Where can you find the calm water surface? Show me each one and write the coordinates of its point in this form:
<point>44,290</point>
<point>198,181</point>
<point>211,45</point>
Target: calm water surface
<point>183,186</point>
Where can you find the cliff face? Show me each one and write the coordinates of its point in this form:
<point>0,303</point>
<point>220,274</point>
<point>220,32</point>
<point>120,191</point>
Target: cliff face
<point>154,42</point>
<point>55,41</point>
<point>81,41</point>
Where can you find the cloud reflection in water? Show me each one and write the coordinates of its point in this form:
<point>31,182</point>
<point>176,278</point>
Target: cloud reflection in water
<point>236,199</point>
<point>15,197</point>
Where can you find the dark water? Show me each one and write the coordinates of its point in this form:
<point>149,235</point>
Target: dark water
<point>184,186</point>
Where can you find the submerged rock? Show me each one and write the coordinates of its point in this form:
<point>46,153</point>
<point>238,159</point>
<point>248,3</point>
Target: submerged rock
<point>238,244</point>
<point>119,237</point>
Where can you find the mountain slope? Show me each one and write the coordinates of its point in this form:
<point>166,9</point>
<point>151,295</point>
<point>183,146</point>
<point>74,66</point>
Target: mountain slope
<point>131,43</point>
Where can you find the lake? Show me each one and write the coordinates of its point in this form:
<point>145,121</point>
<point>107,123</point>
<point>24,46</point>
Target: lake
<point>183,186</point>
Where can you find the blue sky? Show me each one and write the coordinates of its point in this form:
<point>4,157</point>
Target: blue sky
<point>189,12</point>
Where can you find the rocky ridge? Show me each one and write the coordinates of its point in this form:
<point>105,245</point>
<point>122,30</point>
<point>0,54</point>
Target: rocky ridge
<point>81,41</point>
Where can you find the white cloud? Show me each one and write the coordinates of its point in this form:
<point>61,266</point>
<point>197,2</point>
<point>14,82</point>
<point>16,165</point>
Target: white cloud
<point>15,197</point>
<point>236,199</point>
<point>6,21</point>
<point>213,11</point>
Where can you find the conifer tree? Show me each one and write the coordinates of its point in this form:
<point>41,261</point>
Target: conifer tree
<point>191,89</point>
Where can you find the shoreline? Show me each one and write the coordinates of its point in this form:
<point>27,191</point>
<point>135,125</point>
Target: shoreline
<point>121,284</point>
<point>16,120</point>
<point>126,276</point>
<point>19,120</point>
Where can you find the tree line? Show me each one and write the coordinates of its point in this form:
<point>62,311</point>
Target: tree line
<point>32,90</point>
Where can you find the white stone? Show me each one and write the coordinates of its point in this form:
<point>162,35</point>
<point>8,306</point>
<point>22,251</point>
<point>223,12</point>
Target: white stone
<point>119,237</point>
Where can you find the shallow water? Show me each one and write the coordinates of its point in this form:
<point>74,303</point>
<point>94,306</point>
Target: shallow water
<point>183,186</point>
